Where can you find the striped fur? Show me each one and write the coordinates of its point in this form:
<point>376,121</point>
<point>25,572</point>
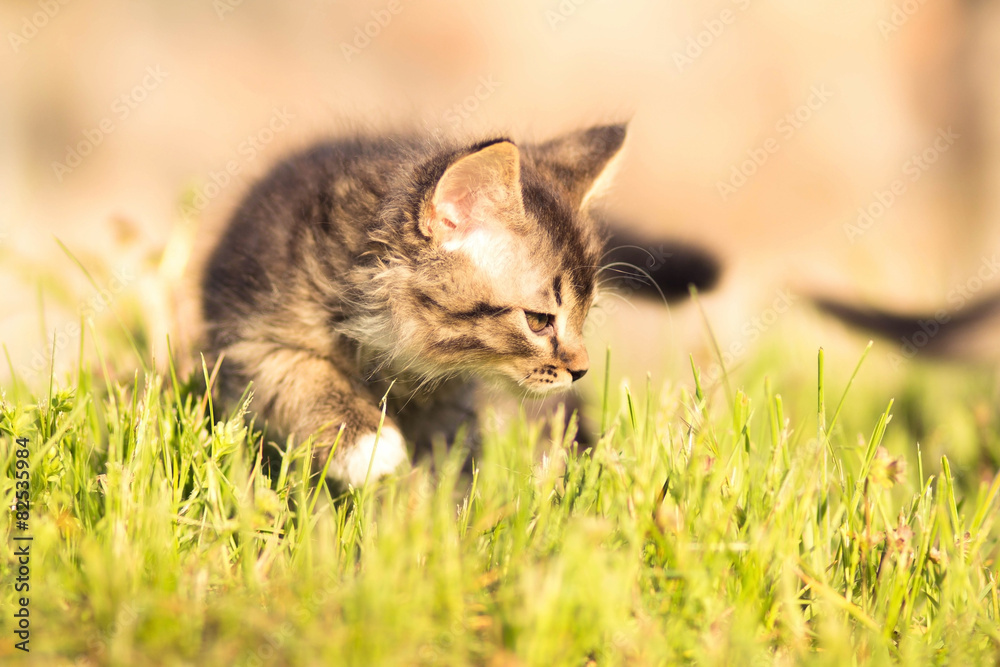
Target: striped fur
<point>362,264</point>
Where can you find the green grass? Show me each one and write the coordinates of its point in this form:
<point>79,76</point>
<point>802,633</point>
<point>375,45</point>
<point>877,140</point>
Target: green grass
<point>707,526</point>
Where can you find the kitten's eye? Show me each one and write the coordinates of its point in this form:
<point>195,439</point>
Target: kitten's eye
<point>538,322</point>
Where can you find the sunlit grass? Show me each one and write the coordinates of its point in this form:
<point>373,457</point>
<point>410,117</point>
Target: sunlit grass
<point>795,511</point>
<point>748,528</point>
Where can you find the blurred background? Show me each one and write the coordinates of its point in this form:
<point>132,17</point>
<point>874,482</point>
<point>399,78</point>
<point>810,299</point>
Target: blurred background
<point>841,148</point>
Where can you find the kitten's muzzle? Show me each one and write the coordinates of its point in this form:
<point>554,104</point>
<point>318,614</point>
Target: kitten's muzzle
<point>575,360</point>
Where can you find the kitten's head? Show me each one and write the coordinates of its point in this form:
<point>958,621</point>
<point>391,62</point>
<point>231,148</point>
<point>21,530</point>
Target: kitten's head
<point>504,261</point>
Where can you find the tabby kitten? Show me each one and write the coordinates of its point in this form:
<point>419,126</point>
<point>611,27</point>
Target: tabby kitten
<point>372,266</point>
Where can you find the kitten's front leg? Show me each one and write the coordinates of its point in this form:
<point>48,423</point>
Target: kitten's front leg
<point>442,413</point>
<point>299,392</point>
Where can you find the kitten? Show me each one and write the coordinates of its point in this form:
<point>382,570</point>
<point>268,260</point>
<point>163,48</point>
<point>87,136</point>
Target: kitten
<point>394,266</point>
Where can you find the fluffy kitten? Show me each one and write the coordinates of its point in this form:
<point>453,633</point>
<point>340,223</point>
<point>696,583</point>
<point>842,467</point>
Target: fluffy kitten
<point>368,263</point>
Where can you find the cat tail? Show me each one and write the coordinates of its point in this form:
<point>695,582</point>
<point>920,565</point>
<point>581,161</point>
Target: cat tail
<point>955,332</point>
<point>657,268</point>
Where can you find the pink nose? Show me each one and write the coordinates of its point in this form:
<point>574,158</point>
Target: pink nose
<point>577,361</point>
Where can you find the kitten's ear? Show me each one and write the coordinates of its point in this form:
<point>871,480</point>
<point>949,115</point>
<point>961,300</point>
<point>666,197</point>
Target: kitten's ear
<point>580,158</point>
<point>472,190</point>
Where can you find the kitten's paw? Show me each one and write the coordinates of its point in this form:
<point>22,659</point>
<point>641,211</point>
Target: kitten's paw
<point>389,454</point>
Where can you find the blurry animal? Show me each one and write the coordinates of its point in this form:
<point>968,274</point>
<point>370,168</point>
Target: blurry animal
<point>962,329</point>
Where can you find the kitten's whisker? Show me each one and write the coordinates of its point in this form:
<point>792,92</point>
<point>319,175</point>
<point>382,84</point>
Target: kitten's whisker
<point>663,297</point>
<point>625,274</point>
<point>622,297</point>
<point>630,265</point>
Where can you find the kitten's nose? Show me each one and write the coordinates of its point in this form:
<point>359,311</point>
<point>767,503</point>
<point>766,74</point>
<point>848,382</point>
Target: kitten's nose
<point>578,374</point>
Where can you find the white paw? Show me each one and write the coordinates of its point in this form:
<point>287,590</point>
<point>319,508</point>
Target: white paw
<point>385,456</point>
